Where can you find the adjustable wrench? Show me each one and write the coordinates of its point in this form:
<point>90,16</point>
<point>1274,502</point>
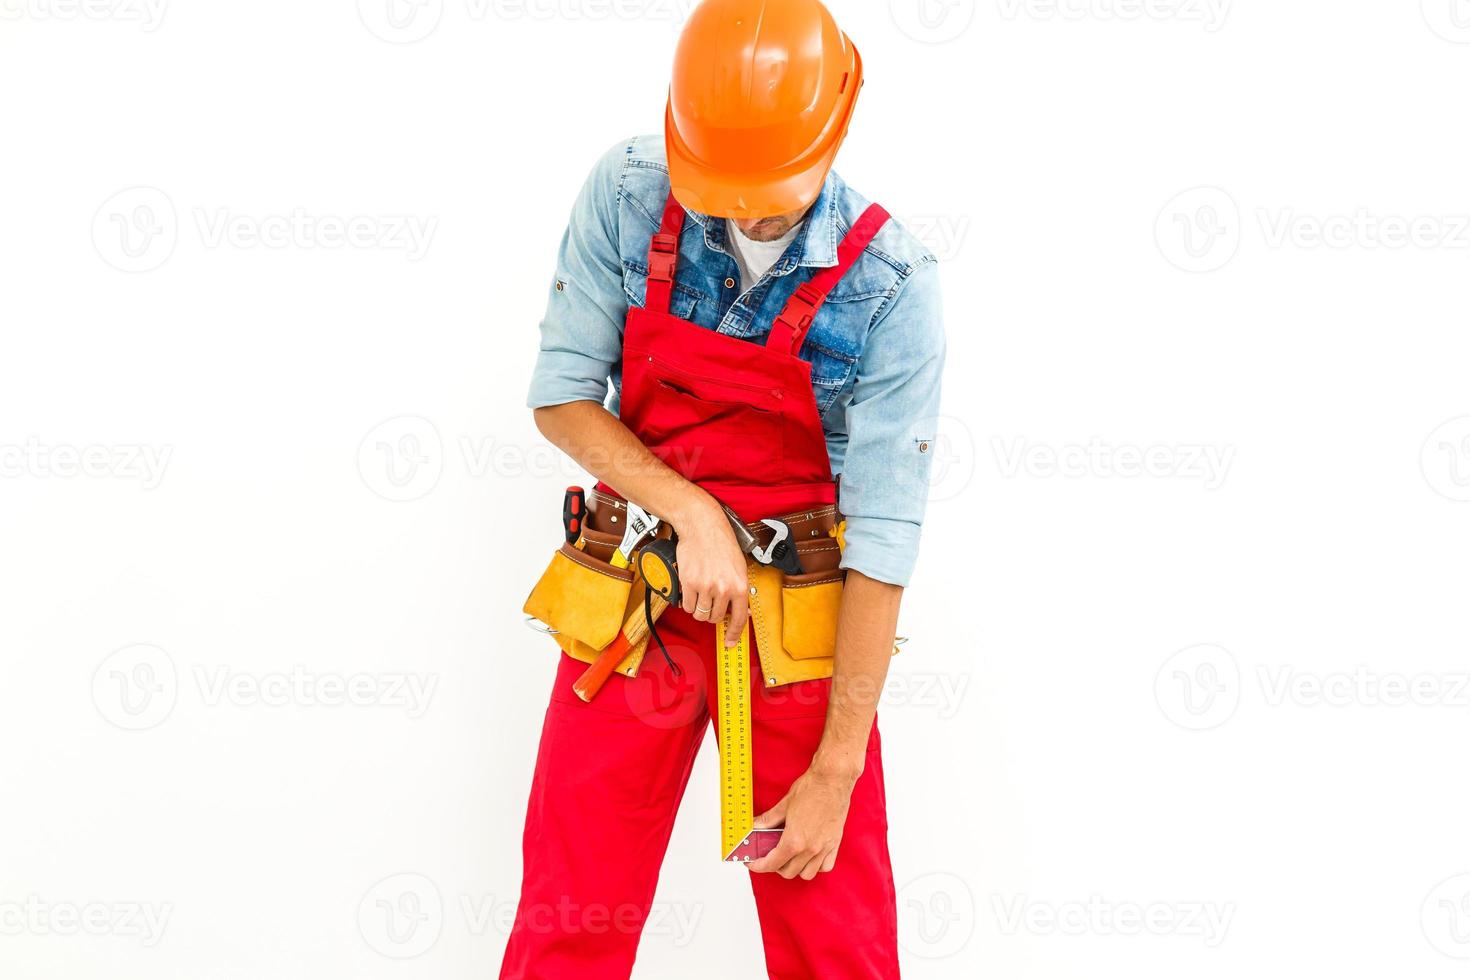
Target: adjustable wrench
<point>640,525</point>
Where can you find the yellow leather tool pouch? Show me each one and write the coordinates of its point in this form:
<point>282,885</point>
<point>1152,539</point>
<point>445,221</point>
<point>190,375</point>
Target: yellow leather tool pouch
<point>809,608</point>
<point>581,597</point>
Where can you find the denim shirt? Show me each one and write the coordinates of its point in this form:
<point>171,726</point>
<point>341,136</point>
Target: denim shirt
<point>876,346</point>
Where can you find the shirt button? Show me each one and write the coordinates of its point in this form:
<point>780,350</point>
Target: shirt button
<point>729,283</point>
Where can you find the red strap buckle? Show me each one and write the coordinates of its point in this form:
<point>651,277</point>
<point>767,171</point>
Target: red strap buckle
<point>663,256</point>
<point>800,309</point>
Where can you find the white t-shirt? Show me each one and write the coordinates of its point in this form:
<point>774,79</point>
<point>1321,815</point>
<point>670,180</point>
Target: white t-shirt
<point>756,258</point>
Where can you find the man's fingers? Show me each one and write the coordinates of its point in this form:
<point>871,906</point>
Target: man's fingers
<point>830,861</point>
<point>699,605</point>
<point>739,613</point>
<point>718,607</point>
<point>776,860</point>
<point>813,868</point>
<point>774,817</point>
<point>793,868</point>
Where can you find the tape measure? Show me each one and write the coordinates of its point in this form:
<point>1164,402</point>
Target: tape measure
<point>740,842</point>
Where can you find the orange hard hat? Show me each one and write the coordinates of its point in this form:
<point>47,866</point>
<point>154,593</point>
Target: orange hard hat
<point>762,93</point>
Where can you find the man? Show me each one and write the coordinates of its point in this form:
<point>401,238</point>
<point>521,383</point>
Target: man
<point>766,332</point>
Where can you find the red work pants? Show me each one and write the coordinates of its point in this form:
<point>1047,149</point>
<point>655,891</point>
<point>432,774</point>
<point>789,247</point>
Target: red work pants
<point>609,778</point>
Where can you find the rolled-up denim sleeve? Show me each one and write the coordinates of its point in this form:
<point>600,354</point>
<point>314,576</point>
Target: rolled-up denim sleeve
<point>891,424</point>
<point>582,332</point>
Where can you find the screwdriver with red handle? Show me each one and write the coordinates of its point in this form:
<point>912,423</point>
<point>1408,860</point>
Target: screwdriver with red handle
<point>573,513</point>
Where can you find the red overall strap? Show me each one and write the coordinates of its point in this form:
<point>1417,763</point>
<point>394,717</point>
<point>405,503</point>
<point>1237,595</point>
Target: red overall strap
<point>663,256</point>
<point>791,325</point>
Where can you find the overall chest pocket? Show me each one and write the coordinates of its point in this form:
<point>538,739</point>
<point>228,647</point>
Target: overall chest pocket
<point>699,426</point>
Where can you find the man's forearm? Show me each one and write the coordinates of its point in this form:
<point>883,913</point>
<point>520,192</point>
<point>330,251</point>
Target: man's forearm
<point>607,449</point>
<point>865,629</point>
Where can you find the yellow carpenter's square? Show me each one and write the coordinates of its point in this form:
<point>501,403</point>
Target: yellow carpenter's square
<point>739,840</point>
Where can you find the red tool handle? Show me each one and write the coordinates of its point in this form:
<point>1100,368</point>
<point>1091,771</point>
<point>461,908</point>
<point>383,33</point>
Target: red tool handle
<point>573,513</point>
<point>632,633</point>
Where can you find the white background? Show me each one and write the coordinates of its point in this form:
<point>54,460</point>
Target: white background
<point>1186,693</point>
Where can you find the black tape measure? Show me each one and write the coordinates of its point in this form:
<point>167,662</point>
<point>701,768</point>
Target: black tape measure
<point>658,564</point>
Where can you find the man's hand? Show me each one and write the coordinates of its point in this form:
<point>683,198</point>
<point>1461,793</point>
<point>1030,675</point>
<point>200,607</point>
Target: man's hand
<point>712,568</point>
<point>813,813</point>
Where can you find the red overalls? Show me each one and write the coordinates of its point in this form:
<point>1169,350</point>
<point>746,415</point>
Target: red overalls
<point>741,421</point>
